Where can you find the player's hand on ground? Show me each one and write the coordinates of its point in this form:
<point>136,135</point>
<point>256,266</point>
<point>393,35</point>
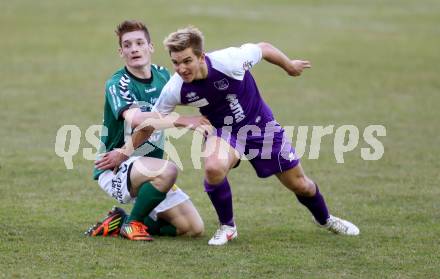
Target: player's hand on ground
<point>111,160</point>
<point>296,67</point>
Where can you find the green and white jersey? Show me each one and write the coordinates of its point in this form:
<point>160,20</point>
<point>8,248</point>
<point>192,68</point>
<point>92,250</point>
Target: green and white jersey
<point>123,91</point>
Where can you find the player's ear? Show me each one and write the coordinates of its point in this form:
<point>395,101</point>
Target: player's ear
<point>202,57</point>
<point>151,47</point>
<point>120,52</point>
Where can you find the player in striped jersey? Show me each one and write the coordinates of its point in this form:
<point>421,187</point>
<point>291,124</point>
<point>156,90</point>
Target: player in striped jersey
<point>145,179</point>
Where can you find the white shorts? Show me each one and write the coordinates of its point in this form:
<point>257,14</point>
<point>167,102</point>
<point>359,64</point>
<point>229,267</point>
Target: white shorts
<point>115,185</point>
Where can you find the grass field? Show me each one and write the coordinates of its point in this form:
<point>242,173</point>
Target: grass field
<point>374,62</point>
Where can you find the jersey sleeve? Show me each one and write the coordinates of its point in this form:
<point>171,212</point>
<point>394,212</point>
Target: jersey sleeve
<point>235,61</point>
<point>118,97</point>
<point>163,71</point>
<point>170,96</point>
<point>250,55</point>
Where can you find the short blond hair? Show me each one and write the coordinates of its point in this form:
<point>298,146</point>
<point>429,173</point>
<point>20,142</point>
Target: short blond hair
<point>184,38</point>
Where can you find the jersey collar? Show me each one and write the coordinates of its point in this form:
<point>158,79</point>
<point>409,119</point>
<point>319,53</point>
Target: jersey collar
<point>143,80</point>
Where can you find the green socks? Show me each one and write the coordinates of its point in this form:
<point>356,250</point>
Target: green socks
<point>147,199</point>
<point>160,227</point>
<point>168,230</point>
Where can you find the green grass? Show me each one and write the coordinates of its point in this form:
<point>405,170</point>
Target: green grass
<point>374,62</point>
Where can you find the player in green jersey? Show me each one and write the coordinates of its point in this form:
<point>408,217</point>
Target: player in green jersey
<point>160,207</point>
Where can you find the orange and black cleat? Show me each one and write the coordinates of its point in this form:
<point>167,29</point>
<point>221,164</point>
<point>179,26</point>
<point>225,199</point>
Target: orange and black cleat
<point>135,230</point>
<point>110,225</point>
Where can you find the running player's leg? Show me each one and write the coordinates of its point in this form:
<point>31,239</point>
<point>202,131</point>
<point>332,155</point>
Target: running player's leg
<point>284,163</point>
<point>221,157</point>
<point>306,191</point>
<point>308,194</point>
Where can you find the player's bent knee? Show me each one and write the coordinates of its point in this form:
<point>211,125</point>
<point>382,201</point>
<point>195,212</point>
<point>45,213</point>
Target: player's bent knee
<point>196,232</point>
<point>302,187</point>
<point>183,228</point>
<point>188,228</point>
<point>170,172</point>
<point>166,178</point>
<point>197,229</point>
<point>214,173</point>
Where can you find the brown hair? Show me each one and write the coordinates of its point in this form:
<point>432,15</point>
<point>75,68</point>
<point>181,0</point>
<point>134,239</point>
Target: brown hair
<point>130,26</point>
<point>183,39</point>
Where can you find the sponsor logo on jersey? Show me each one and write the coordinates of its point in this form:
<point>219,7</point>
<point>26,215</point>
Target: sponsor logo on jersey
<point>222,84</point>
<point>150,90</point>
<point>247,65</point>
<point>236,108</point>
<point>192,96</point>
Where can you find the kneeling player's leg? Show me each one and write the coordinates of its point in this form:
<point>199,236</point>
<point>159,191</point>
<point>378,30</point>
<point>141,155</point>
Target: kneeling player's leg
<point>306,191</point>
<point>150,180</point>
<point>220,159</point>
<point>185,218</point>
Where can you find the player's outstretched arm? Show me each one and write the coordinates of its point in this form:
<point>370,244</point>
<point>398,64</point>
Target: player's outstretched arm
<point>152,121</point>
<point>144,124</point>
<point>275,56</point>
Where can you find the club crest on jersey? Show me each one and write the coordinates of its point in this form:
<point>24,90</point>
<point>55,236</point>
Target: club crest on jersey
<point>192,96</point>
<point>222,84</point>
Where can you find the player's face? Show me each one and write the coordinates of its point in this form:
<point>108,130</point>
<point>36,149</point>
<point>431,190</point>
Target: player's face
<point>187,65</point>
<point>135,49</point>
